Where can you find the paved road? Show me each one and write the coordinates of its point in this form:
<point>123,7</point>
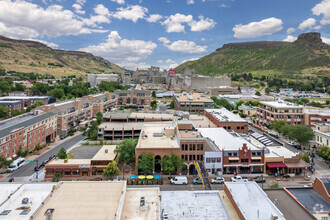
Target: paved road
<point>28,168</point>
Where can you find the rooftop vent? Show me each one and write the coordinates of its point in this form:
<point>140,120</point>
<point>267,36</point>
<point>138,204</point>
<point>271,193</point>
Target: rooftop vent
<point>49,214</point>
<point>158,134</point>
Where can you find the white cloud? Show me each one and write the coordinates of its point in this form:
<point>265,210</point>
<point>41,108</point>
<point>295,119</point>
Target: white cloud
<point>323,8</point>
<point>102,16</point>
<point>191,59</point>
<point>49,44</point>
<point>190,2</point>
<point>23,19</point>
<point>223,6</point>
<point>160,61</point>
<point>202,24</point>
<point>81,2</point>
<point>184,46</point>
<point>174,23</point>
<point>256,29</point>
<point>169,61</point>
<point>122,51</point>
<point>77,9</point>
<point>154,18</point>
<point>290,30</point>
<point>164,40</point>
<point>290,38</point>
<point>203,39</point>
<point>318,27</point>
<point>119,1</point>
<point>308,23</point>
<point>132,13</point>
<point>326,40</point>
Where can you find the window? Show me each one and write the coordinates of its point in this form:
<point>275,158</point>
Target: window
<point>7,146</point>
<point>235,154</point>
<point>230,154</point>
<point>194,157</point>
<point>208,160</point>
<point>190,157</point>
<point>201,156</point>
<point>182,147</point>
<point>201,146</point>
<point>194,147</point>
<point>244,160</point>
<point>213,159</point>
<point>218,159</point>
<point>242,127</point>
<point>238,127</point>
<point>190,147</point>
<point>186,157</point>
<point>1,149</point>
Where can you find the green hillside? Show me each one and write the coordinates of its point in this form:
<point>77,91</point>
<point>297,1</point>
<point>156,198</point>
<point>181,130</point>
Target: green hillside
<point>307,55</point>
<point>30,56</point>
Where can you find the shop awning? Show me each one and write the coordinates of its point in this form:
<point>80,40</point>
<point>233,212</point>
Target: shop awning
<point>255,158</point>
<point>233,158</point>
<point>300,164</point>
<point>275,165</point>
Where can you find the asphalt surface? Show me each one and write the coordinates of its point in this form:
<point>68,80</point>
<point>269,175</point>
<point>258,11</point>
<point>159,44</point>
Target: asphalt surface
<point>85,151</point>
<point>28,168</point>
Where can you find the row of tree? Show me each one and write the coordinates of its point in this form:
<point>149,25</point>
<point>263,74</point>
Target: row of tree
<point>300,133</point>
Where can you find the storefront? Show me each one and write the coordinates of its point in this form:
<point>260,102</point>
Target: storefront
<point>275,167</point>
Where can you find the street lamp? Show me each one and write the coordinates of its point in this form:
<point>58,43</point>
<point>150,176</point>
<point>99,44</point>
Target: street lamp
<point>262,181</point>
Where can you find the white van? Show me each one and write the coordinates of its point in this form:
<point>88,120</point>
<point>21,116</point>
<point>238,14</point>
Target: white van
<point>16,164</point>
<point>179,180</point>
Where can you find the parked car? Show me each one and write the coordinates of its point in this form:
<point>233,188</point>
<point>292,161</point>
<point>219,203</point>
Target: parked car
<point>197,181</point>
<point>179,180</point>
<point>51,157</point>
<point>96,179</point>
<point>286,176</point>
<point>258,179</point>
<point>238,179</point>
<point>219,180</point>
<point>16,164</point>
<point>41,165</point>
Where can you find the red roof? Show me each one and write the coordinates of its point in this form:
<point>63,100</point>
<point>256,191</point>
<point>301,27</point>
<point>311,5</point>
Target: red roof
<point>275,165</point>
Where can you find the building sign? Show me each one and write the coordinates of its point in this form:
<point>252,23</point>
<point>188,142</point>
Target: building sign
<point>172,71</point>
<point>84,166</point>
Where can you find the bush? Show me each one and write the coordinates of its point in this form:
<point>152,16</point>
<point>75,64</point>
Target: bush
<point>274,185</point>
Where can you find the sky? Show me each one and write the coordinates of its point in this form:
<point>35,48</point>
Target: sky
<point>164,33</point>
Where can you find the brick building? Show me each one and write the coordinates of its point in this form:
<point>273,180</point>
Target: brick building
<point>25,132</point>
<point>26,100</point>
<point>192,102</point>
<point>13,105</point>
<point>139,98</point>
<point>225,119</point>
<point>316,115</point>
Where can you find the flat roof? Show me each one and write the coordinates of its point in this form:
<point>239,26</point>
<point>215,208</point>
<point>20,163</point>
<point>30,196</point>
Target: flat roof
<point>192,97</point>
<point>85,200</point>
<point>11,102</point>
<point>225,140</point>
<point>201,121</point>
<point>287,205</point>
<point>223,115</point>
<point>282,152</point>
<point>24,97</point>
<point>106,153</point>
<point>281,104</point>
<point>36,193</point>
<point>310,199</point>
<point>152,136</point>
<point>139,115</point>
<point>186,205</point>
<point>252,200</point>
<point>127,126</point>
<point>6,189</point>
<point>188,134</point>
<point>317,111</point>
<point>131,208</point>
<point>246,107</point>
<point>70,162</point>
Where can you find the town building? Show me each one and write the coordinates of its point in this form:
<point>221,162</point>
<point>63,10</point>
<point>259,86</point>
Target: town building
<point>13,106</point>
<point>247,110</point>
<point>192,102</point>
<point>322,134</point>
<point>215,91</point>
<point>315,199</point>
<point>289,112</point>
<point>26,100</point>
<point>130,98</point>
<point>152,75</point>
<point>251,202</point>
<point>75,168</point>
<point>25,132</point>
<point>239,155</point>
<point>316,115</point>
<point>227,120</point>
<point>96,79</point>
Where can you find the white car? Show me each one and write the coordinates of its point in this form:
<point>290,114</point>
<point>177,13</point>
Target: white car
<point>238,179</point>
<point>219,180</point>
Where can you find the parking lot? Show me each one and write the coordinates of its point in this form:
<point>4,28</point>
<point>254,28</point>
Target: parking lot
<point>85,151</point>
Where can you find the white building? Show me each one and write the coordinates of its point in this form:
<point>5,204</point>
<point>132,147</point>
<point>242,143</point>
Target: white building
<point>96,79</point>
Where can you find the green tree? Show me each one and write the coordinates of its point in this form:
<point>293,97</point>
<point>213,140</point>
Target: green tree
<point>62,154</point>
<point>19,87</point>
<point>153,94</point>
<point>167,164</point>
<point>177,161</point>
<point>305,157</point>
<point>4,161</point>
<point>222,102</point>
<point>172,105</point>
<point>4,111</point>
<point>324,152</point>
<point>146,163</point>
<point>153,104</point>
<point>300,133</point>
<point>277,125</point>
<point>57,93</point>
<point>126,150</point>
<point>99,118</point>
<point>71,131</point>
<point>111,170</point>
<point>92,131</point>
<point>258,93</point>
<point>238,104</point>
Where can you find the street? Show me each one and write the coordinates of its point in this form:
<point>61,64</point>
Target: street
<point>28,168</point>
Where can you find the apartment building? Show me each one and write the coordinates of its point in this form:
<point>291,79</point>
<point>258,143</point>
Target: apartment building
<point>291,113</point>
<point>226,119</point>
<point>135,97</point>
<point>13,105</point>
<point>78,112</point>
<point>192,102</point>
<point>316,115</point>
<point>25,132</point>
<point>26,100</point>
<point>322,134</point>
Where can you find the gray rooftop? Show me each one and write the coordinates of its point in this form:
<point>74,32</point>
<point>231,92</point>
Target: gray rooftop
<point>309,198</point>
<point>24,121</point>
<point>326,182</point>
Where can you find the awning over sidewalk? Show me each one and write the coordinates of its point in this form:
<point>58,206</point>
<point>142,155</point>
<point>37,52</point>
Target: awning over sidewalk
<point>275,165</point>
<point>300,164</point>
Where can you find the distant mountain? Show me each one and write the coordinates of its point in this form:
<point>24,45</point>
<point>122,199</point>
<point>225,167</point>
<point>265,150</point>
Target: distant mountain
<point>307,55</point>
<point>31,56</point>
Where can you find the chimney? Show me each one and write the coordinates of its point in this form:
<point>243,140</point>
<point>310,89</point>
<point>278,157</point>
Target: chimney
<point>49,214</point>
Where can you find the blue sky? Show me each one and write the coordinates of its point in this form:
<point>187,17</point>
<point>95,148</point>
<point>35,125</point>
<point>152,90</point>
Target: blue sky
<point>165,33</point>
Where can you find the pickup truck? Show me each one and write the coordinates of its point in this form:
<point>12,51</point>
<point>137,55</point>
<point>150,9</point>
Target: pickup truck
<point>238,179</point>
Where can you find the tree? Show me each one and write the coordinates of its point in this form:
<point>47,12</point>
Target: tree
<point>238,104</point>
<point>167,164</point>
<point>172,105</point>
<point>324,152</point>
<point>92,131</point>
<point>57,93</point>
<point>19,87</point>
<point>222,102</point>
<point>177,161</point>
<point>258,93</point>
<point>305,157</point>
<point>153,94</point>
<point>277,125</point>
<point>71,131</point>
<point>4,111</point>
<point>111,170</point>
<point>301,133</point>
<point>62,154</point>
<point>146,163</point>
<point>126,150</point>
<point>153,104</point>
<point>99,118</point>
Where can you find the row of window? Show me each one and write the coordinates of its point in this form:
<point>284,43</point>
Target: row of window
<point>192,147</point>
<point>213,160</point>
<point>192,157</point>
<point>244,161</point>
